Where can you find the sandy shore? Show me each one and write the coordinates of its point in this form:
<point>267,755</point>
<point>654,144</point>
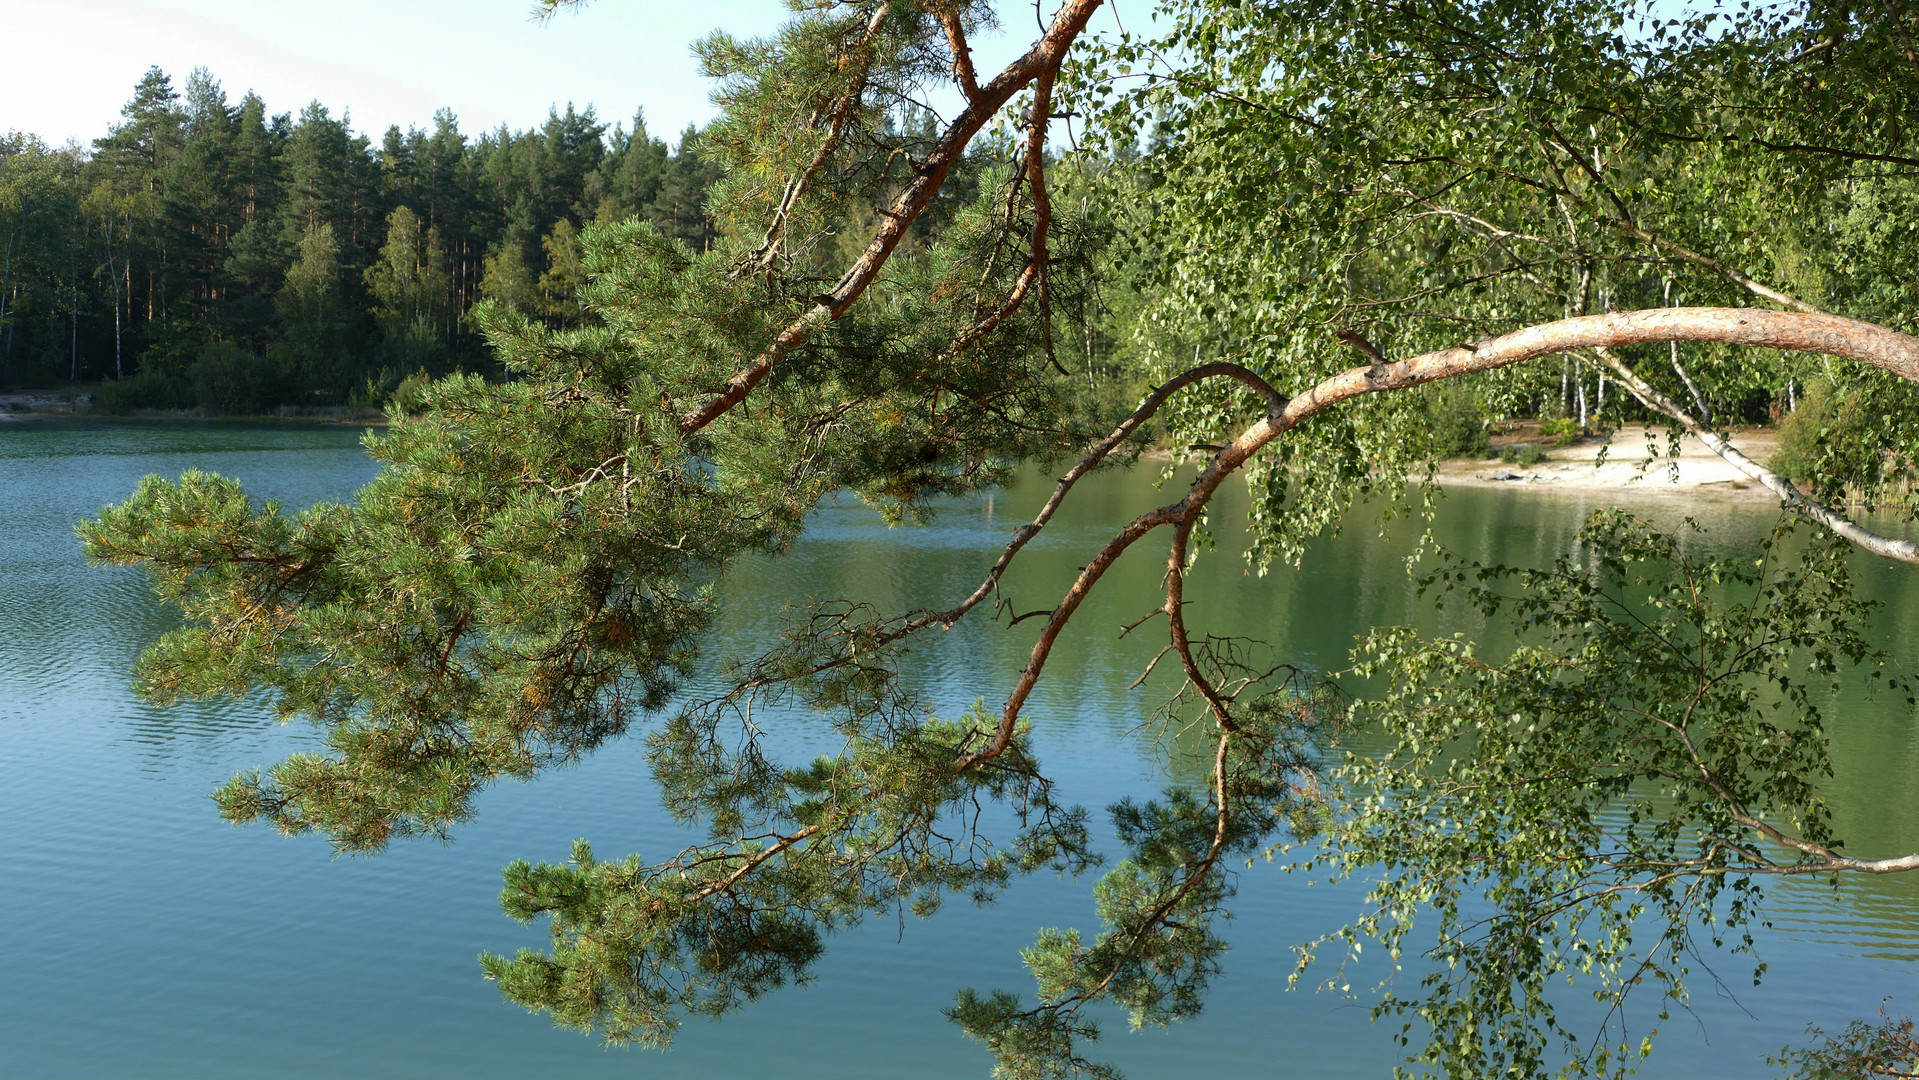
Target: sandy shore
<point>1630,464</point>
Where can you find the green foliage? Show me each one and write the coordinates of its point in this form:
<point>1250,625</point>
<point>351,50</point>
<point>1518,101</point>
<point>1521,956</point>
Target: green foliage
<point>1563,430</point>
<point>1522,454</point>
<point>508,280</point>
<point>1603,801</point>
<point>409,286</point>
<point>1459,425</point>
<point>309,301</point>
<point>1889,1048</point>
<point>565,273</point>
<point>409,396</point>
<point>1837,441</point>
<point>1802,432</point>
<point>142,390</point>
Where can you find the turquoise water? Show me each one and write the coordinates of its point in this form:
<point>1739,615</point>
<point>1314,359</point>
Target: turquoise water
<point>145,938</point>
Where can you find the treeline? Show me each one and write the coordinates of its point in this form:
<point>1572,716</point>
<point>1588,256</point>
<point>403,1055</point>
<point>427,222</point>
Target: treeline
<point>210,254</point>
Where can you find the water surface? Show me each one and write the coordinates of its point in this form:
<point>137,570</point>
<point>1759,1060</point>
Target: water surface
<point>145,938</point>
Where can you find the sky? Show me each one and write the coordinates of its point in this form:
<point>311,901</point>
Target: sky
<point>71,64</point>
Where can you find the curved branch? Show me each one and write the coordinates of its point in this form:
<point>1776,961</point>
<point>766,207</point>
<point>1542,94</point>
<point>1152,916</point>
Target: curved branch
<point>1182,643</point>
<point>1828,858</point>
<point>1099,452</point>
<point>1752,327</point>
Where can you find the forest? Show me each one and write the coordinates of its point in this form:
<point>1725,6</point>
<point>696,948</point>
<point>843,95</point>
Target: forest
<point>210,254</point>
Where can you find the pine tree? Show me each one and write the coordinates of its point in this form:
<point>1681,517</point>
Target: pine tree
<point>256,151</point>
<point>326,177</point>
<point>203,216</point>
<point>571,148</point>
<point>133,164</point>
<point>632,173</point>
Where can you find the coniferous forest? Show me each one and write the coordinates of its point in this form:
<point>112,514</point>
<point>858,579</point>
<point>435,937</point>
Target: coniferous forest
<point>212,254</point>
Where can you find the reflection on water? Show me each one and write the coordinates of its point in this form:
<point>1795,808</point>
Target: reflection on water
<point>148,939</point>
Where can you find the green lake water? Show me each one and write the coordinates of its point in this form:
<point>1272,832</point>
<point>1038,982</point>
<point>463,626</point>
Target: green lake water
<point>143,937</point>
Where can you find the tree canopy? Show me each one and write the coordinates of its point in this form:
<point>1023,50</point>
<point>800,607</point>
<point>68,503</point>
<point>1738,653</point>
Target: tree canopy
<point>208,242</point>
<point>1523,200</point>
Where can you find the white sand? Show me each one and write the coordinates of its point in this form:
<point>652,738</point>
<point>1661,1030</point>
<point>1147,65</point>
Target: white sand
<point>1630,465</point>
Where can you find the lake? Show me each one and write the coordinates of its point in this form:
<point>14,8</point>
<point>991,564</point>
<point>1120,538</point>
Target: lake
<point>145,938</point>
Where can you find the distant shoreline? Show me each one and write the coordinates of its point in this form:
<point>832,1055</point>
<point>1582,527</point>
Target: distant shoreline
<point>25,407</point>
<point>1629,466</point>
<point>1695,473</point>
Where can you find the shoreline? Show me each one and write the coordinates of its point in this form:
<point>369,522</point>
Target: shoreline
<point>1630,465</point>
<point>30,407</point>
<point>1636,461</point>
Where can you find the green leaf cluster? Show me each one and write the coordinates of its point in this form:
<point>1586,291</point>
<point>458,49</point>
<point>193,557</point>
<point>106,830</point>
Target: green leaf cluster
<point>1600,805</point>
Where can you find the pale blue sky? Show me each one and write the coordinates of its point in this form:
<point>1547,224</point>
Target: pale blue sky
<point>71,64</point>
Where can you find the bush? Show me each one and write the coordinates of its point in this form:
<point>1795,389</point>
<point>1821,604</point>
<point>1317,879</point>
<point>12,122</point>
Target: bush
<point>141,390</point>
<point>1458,422</point>
<point>1522,454</point>
<point>229,381</point>
<point>1836,439</point>
<point>406,397</point>
<point>1563,431</point>
<point>1801,431</point>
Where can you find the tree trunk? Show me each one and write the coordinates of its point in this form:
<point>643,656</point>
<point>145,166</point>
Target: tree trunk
<point>113,278</point>
<point>6,274</point>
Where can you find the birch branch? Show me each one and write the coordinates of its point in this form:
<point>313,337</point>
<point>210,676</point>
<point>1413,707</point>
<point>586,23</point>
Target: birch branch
<point>1841,525</point>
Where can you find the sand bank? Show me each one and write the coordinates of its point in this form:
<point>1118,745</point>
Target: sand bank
<point>1634,461</point>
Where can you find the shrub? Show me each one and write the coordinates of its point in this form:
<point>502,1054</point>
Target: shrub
<point>406,397</point>
<point>1802,430</point>
<point>1458,422</point>
<point>141,390</point>
<point>1563,431</point>
<point>1836,439</point>
<point>229,381</point>
<point>1522,454</point>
